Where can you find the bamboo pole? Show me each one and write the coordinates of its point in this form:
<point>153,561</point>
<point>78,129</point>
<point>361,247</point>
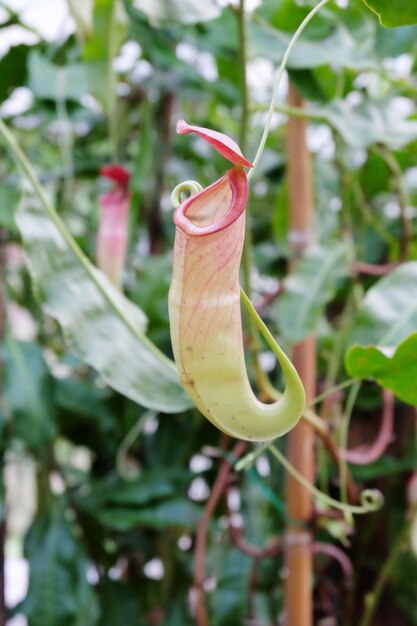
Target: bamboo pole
<point>298,537</point>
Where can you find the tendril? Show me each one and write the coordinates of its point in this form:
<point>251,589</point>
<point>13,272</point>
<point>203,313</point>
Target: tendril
<point>278,78</point>
<point>122,464</point>
<point>190,187</point>
<point>371,500</point>
<point>249,459</point>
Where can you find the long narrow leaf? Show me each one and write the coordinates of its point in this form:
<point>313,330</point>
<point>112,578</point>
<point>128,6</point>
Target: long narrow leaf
<point>103,326</point>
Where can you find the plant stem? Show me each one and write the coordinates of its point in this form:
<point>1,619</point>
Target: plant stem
<point>403,197</point>
<point>372,598</point>
<point>331,390</point>
<point>203,525</point>
<point>111,83</point>
<point>331,399</point>
<point>255,346</point>
<point>278,78</point>
<point>309,114</point>
<point>363,455</point>
<point>66,139</point>
<point>129,439</point>
<point>247,254</point>
<point>162,125</point>
<point>371,269</point>
<point>243,59</point>
<point>344,432</point>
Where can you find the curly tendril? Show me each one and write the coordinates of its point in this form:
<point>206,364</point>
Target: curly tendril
<point>190,187</point>
<point>371,500</point>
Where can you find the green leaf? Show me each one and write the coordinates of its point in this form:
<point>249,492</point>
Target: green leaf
<point>149,487</point>
<point>103,326</point>
<point>385,325</point>
<point>151,500</point>
<point>179,611</point>
<point>394,12</point>
<point>150,289</point>
<point>59,592</point>
<point>176,512</point>
<point>395,370</point>
<point>403,576</point>
<point>309,288</point>
<point>392,42</point>
<point>81,395</point>
<point>385,466</point>
<point>9,198</point>
<point>342,46</point>
<point>229,603</point>
<point>28,394</point>
<point>50,81</point>
<point>13,69</point>
<point>388,312</point>
<point>369,122</point>
<point>110,25</point>
<point>82,13</point>
<point>167,12</point>
<point>86,414</point>
<point>119,602</point>
<point>3,445</point>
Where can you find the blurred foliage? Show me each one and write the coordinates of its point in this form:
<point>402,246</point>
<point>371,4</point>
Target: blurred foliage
<point>113,536</point>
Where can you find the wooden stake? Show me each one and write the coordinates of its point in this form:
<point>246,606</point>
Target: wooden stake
<point>299,538</point>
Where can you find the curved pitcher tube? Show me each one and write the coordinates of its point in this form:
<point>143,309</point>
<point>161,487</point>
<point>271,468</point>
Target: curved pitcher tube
<point>204,308</point>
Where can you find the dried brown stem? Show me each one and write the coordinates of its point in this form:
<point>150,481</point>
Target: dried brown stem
<point>360,267</point>
<point>362,455</point>
<point>334,451</point>
<point>341,557</point>
<point>271,549</point>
